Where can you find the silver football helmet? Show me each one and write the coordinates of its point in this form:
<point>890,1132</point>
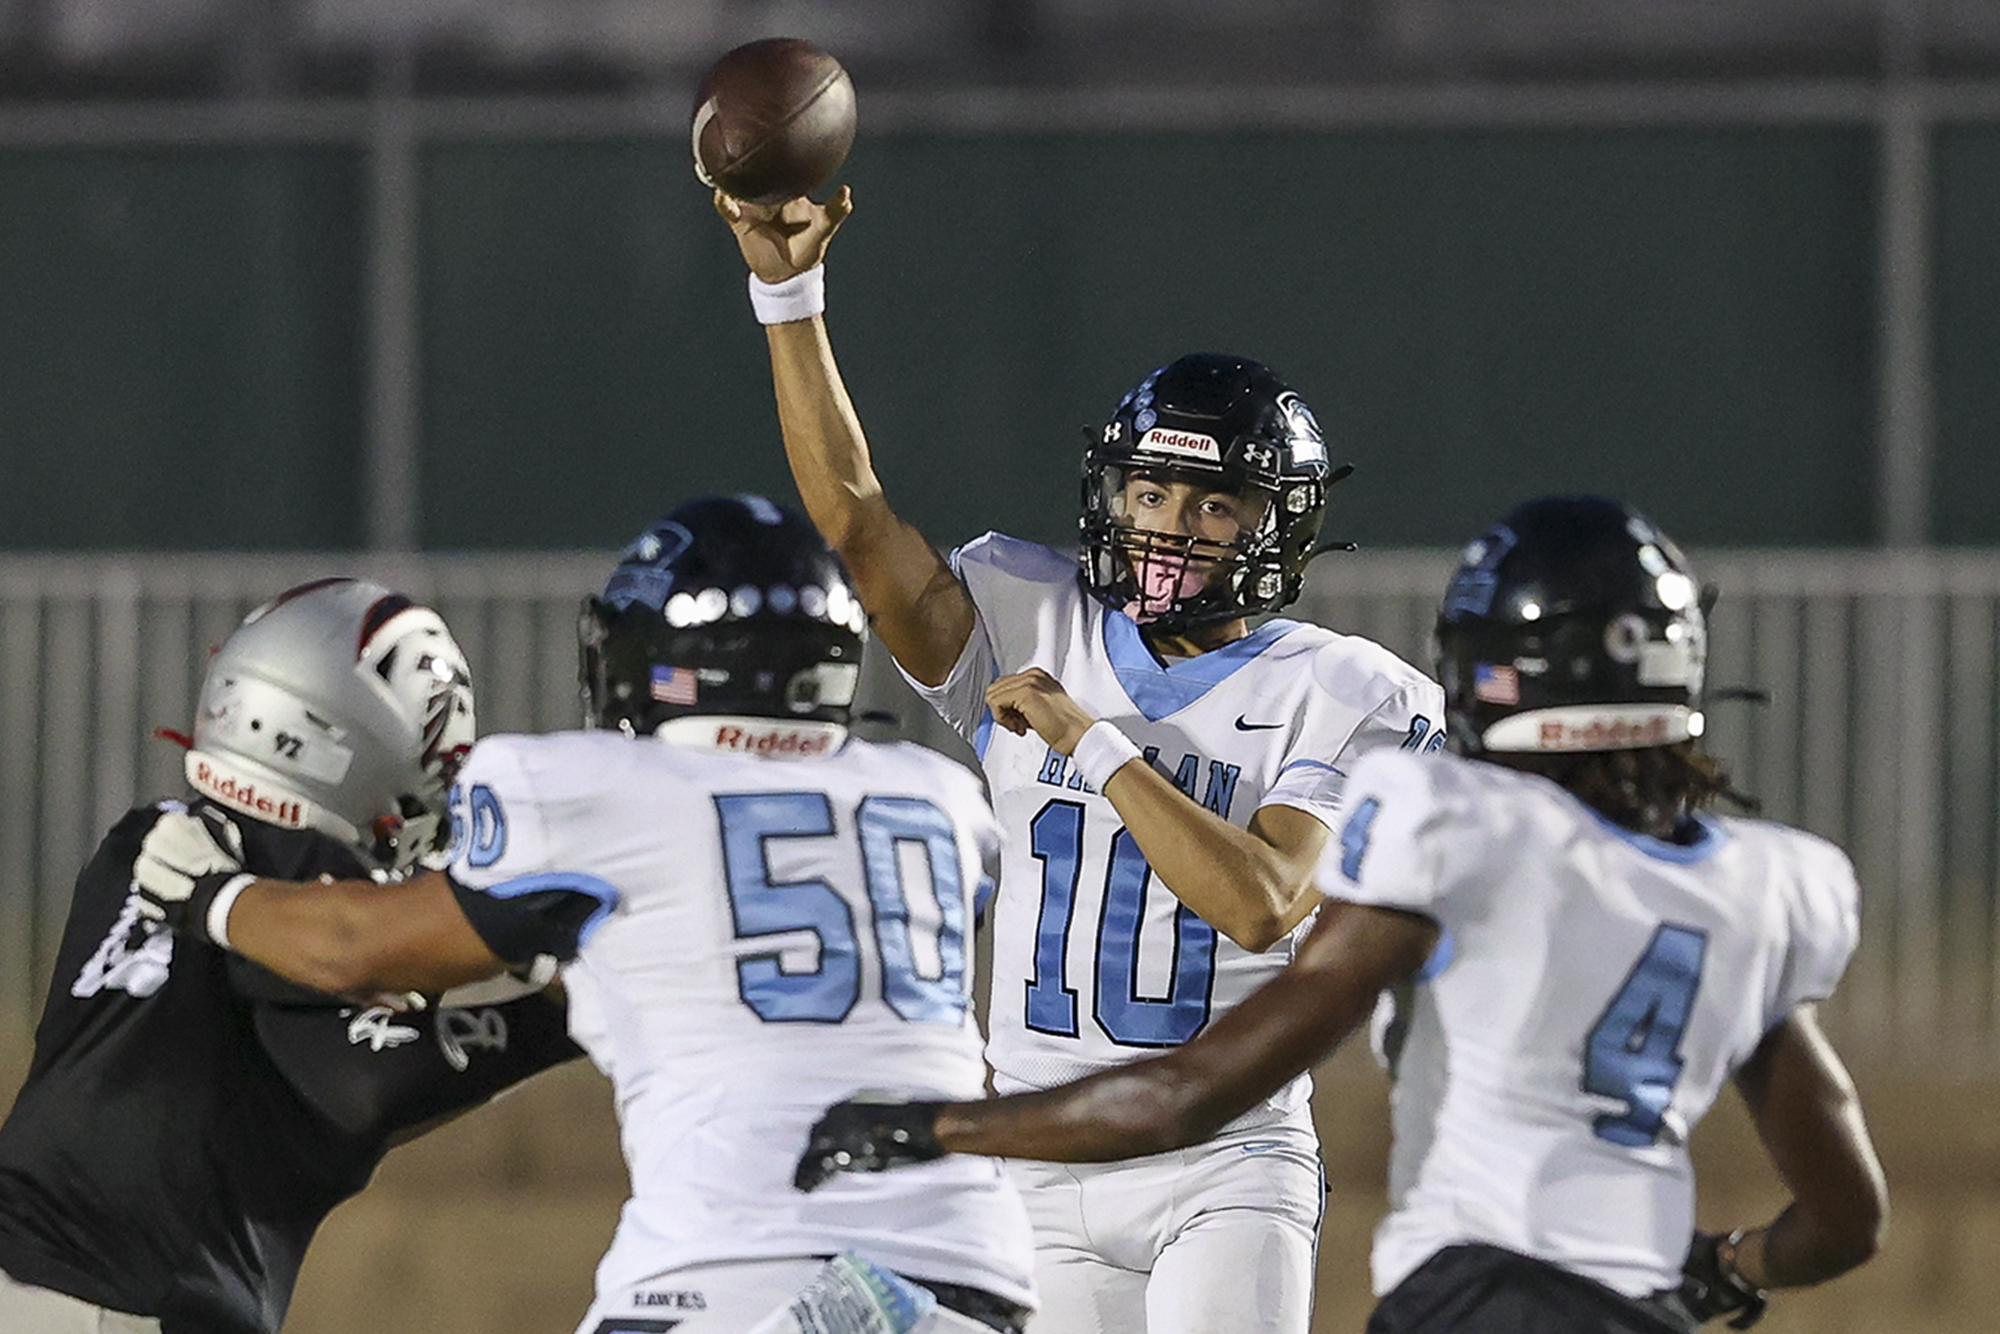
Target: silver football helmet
<point>339,706</point>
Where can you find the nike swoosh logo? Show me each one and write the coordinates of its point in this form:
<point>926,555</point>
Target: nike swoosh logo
<point>1242,726</point>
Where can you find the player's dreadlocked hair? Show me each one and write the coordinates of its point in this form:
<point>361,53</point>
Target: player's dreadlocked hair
<point>1651,790</point>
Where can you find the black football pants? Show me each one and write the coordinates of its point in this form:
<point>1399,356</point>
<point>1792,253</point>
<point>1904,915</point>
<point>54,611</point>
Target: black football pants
<point>1475,1289</point>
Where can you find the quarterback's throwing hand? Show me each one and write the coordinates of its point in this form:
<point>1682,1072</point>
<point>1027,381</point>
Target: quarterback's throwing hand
<point>865,1134</point>
<point>180,852</point>
<point>781,241</point>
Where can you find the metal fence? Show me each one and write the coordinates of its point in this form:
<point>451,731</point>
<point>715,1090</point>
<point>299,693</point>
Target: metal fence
<point>1880,732</point>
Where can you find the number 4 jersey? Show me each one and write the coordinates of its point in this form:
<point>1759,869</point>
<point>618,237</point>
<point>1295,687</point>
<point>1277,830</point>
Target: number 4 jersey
<point>1094,961</point>
<point>1591,990</point>
<point>755,936</point>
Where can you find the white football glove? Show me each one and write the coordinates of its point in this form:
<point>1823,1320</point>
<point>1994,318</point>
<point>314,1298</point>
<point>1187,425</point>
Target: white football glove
<point>183,861</point>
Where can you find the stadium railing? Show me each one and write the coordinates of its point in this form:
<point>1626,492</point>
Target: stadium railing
<point>1881,730</point>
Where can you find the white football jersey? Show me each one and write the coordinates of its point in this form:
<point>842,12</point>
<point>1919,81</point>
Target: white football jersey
<point>1094,961</point>
<point>1591,991</point>
<point>758,937</point>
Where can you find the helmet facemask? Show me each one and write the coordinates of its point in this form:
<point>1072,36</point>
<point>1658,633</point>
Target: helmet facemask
<point>1171,578</point>
<point>1233,434</point>
<point>422,671</point>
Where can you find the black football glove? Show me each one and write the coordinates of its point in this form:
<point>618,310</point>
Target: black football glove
<point>1710,1289</point>
<point>184,861</point>
<point>868,1133</point>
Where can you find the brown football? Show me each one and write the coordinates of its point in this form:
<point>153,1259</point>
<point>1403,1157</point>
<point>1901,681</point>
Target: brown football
<point>773,120</point>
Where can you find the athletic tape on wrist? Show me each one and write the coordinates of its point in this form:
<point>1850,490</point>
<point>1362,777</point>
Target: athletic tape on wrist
<point>1100,752</point>
<point>215,922</point>
<point>797,298</point>
<point>1727,1252</point>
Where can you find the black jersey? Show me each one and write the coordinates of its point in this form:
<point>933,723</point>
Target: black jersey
<point>189,1118</point>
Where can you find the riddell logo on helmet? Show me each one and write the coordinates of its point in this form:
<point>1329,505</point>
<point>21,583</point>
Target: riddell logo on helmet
<point>1190,444</point>
<point>245,797</point>
<point>1604,734</point>
<point>771,740</point>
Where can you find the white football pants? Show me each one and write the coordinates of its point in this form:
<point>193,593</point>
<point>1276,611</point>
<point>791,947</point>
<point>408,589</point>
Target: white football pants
<point>46,1311</point>
<point>1221,1238</point>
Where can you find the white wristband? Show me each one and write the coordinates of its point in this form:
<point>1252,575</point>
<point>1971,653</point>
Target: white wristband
<point>1100,752</point>
<point>217,921</point>
<point>799,297</point>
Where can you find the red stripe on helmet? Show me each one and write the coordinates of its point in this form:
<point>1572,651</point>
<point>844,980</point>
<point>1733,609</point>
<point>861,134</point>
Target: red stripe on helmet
<point>379,615</point>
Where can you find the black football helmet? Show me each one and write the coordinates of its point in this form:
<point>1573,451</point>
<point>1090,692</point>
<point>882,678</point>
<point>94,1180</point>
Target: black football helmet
<point>1226,424</point>
<point>730,604</point>
<point>1573,624</point>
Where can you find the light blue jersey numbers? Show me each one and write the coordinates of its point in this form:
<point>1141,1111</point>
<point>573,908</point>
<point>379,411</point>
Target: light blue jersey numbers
<point>1634,1052</point>
<point>890,831</point>
<point>478,825</point>
<point>1127,1018</point>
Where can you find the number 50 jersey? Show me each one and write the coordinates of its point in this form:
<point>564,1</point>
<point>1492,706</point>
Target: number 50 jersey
<point>1591,990</point>
<point>755,937</point>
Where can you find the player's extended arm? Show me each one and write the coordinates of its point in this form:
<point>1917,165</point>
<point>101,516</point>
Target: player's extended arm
<point>341,937</point>
<point>1288,1025</point>
<point>1809,1118</point>
<point>920,610</point>
<point>355,937</point>
<point>1252,884</point>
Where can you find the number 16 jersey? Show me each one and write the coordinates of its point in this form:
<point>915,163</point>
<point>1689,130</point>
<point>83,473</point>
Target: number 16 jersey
<point>1094,960</point>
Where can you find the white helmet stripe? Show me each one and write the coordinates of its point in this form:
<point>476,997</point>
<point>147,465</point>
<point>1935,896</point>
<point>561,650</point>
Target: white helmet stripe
<point>236,786</point>
<point>1593,727</point>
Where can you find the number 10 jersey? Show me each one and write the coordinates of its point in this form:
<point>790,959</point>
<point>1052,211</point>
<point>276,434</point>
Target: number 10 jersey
<point>1094,960</point>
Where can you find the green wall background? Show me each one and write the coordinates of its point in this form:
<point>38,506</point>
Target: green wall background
<point>1683,317</point>
<point>1968,336</point>
<point>180,349</point>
